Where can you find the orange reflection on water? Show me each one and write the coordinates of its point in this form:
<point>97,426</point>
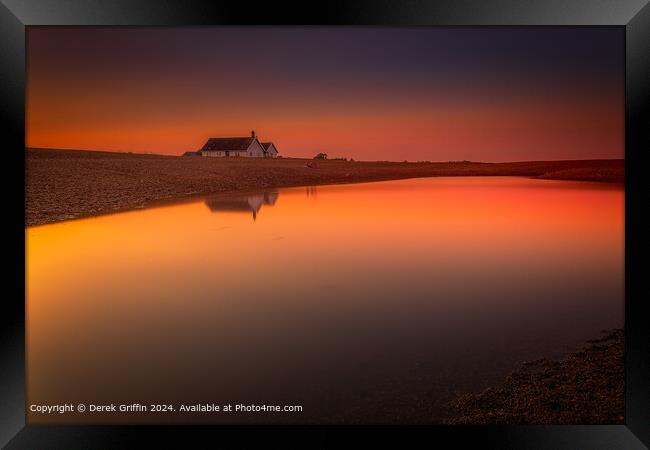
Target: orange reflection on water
<point>259,295</point>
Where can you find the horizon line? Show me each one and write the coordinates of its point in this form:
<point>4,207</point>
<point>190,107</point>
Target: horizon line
<point>139,152</point>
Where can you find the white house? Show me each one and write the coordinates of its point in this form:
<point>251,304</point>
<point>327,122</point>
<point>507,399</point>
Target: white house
<point>270,151</point>
<point>247,147</point>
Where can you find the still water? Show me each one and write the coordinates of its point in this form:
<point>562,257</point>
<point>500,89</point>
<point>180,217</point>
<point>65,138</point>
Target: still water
<point>371,303</point>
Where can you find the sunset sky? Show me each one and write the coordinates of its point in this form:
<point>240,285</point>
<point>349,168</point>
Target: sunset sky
<point>439,94</point>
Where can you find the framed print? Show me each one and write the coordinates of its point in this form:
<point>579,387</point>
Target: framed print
<point>358,214</point>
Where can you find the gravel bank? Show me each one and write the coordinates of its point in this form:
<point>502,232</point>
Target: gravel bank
<point>67,184</point>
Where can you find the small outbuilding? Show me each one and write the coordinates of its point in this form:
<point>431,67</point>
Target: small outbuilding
<point>270,151</point>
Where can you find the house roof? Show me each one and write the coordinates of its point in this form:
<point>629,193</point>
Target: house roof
<point>266,145</point>
<point>233,144</point>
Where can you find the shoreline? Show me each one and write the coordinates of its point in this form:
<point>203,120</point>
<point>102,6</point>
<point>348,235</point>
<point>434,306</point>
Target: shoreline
<point>586,387</point>
<point>73,184</point>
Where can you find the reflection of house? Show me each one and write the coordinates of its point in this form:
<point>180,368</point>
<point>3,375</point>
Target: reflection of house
<point>242,203</point>
<point>270,151</point>
<point>248,147</point>
<point>270,197</point>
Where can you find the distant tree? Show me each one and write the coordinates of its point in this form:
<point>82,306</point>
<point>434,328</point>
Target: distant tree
<point>321,155</point>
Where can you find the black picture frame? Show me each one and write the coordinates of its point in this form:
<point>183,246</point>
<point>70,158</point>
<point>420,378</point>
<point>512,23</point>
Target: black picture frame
<point>16,15</point>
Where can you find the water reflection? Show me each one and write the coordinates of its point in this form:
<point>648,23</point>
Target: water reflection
<point>372,303</point>
<point>242,203</point>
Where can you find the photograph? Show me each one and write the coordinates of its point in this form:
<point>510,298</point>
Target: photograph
<point>325,225</point>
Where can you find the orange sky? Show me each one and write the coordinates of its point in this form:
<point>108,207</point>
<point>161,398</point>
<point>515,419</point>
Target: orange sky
<point>370,94</point>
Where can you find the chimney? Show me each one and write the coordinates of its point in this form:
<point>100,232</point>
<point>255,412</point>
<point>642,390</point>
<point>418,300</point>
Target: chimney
<point>253,133</point>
